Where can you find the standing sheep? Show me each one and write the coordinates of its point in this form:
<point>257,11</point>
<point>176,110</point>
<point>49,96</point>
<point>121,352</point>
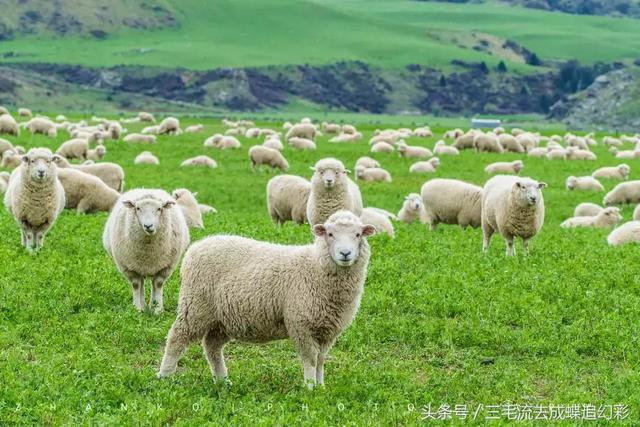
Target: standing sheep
<point>111,174</point>
<point>9,125</point>
<point>76,148</point>
<point>487,142</point>
<point>331,191</point>
<point>85,192</point>
<point>302,130</point>
<point>260,155</point>
<point>608,217</point>
<point>450,201</point>
<point>169,126</point>
<point>623,193</point>
<point>287,197</point>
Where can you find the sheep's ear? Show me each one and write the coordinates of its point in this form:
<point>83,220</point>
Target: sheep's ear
<point>368,230</point>
<point>347,171</point>
<point>25,158</point>
<point>541,185</point>
<point>167,204</point>
<point>129,204</point>
<point>195,194</point>
<point>57,158</point>
<point>319,230</point>
<point>313,168</point>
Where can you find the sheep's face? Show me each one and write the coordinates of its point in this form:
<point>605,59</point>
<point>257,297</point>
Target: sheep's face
<point>101,151</point>
<point>413,203</point>
<point>612,215</point>
<point>571,182</point>
<point>343,234</point>
<point>40,164</point>
<point>149,212</point>
<point>528,192</point>
<point>329,175</point>
<point>624,170</point>
<point>518,166</point>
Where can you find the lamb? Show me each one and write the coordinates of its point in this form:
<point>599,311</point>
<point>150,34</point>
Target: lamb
<point>412,209</point>
<point>429,166</point>
<point>372,174</point>
<point>235,288</point>
<point>10,159</point>
<point>302,130</point>
<point>9,125</point>
<point>442,149</point>
<point>205,161</point>
<point>382,147</point>
<point>187,202</point>
<point>24,112</point>
<point>260,155</point>
<point>513,167</point>
<point>487,142</point>
<point>587,209</point>
<point>146,158</point>
<point>169,126</point>
<point>331,191</point>
<point>620,172</point>
<point>136,138</point>
<point>510,143</point>
<point>85,192</point>
<point>367,162</point>
<point>608,217</point>
<point>287,197</point>
<point>194,128</point>
<point>623,193</point>
<point>583,183</point>
<point>4,181</point>
<point>35,196</point>
<point>379,220</point>
<point>449,201</point>
<point>628,232</point>
<point>96,153</point>
<point>301,143</point>
<point>111,174</point>
<point>76,148</point>
<point>42,126</point>
<point>413,151</point>
<point>513,207</point>
<point>146,236</point>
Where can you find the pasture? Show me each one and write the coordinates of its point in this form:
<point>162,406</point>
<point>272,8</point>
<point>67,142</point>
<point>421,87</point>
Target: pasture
<point>440,322</point>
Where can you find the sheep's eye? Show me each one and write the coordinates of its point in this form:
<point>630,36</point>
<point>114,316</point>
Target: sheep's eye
<point>159,209</point>
<point>357,234</point>
<point>330,234</point>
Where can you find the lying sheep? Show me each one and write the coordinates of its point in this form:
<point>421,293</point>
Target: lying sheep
<point>9,125</point>
<point>146,158</point>
<point>442,149</point>
<point>382,147</point>
<point>367,162</point>
<point>449,201</point>
<point>202,160</point>
<point>302,130</point>
<point>74,149</point>
<point>413,151</point>
<point>587,183</point>
<point>557,154</point>
<point>169,126</point>
<point>608,217</point>
<point>487,142</point>
<point>213,140</point>
<point>260,155</point>
<point>97,153</point>
<point>610,141</point>
<point>111,174</point>
<point>620,172</point>
<point>144,116</point>
<point>228,142</point>
<point>513,207</point>
<point>628,232</point>
<point>235,288</point>
<point>412,209</point>
<point>187,202</point>
<point>301,143</point>
<point>422,132</point>
<point>35,196</point>
<point>379,220</point>
<point>513,167</point>
<point>346,137</point>
<point>10,159</point>
<point>587,209</point>
<point>372,174</point>
<point>429,166</point>
<point>287,197</point>
<point>137,138</point>
<point>623,193</point>
<point>146,236</point>
<point>574,153</point>
<point>86,193</point>
<point>194,128</point>
<point>538,152</point>
<point>625,154</point>
<point>150,130</point>
<point>331,190</point>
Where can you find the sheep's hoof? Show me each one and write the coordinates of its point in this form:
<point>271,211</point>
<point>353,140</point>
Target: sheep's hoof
<point>158,310</point>
<point>164,374</point>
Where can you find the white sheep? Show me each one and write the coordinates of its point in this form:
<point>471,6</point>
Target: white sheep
<point>76,148</point>
<point>169,126</point>
<point>587,183</point>
<point>136,138</point>
<point>449,201</point>
<point>413,151</point>
<point>194,128</point>
<point>240,289</point>
<point>412,209</point>
<point>302,130</point>
<point>466,140</point>
<point>301,143</point>
<point>623,193</point>
<point>259,155</point>
<point>620,172</point>
<point>5,146</point>
<point>144,116</point>
<point>86,193</point>
<point>372,174</point>
<point>628,232</point>
<point>287,197</point>
<point>42,126</point>
<point>513,207</point>
<point>346,137</point>
<point>538,152</point>
<point>273,143</point>
<point>366,162</point>
<point>587,209</point>
<point>331,190</point>
<point>636,213</point>
<point>379,220</point>
<point>442,149</point>
<point>228,142</point>
<point>513,167</point>
<point>150,130</point>
<point>188,203</point>
<point>111,174</point>
<point>382,147</point>
<point>35,196</point>
<point>201,160</point>
<point>428,166</point>
<point>10,159</point>
<point>574,153</point>
<point>9,125</point>
<point>557,154</point>
<point>331,127</point>
<point>608,217</point>
<point>487,142</point>
<point>97,153</point>
<point>213,140</point>
<point>24,112</point>
<point>510,143</point>
<point>146,158</point>
<point>625,154</point>
<point>145,236</point>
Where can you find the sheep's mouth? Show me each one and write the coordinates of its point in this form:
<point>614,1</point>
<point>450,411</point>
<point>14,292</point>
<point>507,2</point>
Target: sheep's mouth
<point>345,262</point>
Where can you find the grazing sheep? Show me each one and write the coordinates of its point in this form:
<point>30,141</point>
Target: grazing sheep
<point>513,167</point>
<point>260,155</point>
<point>273,143</point>
<point>513,207</point>
<point>510,143</point>
<point>442,149</point>
<point>146,236</point>
<point>301,144</point>
<point>137,138</point>
<point>620,172</point>
<point>623,193</point>
<point>382,147</point>
<point>577,142</point>
<point>538,152</point>
<point>379,220</point>
<point>527,140</point>
<point>194,128</point>
<point>449,201</point>
<point>10,159</point>
<point>583,183</point>
<point>487,142</point>
<point>97,153</point>
<point>429,166</point>
<point>367,162</point>
<point>202,160</point>
<point>187,202</point>
<point>628,232</point>
<point>4,181</point>
<point>24,112</point>
<point>608,217</point>
<point>111,174</point>
<point>587,209</point>
<point>240,289</point>
<point>228,142</point>
<point>466,140</point>
<point>42,126</point>
<point>9,125</point>
<point>372,174</point>
<point>331,127</point>
<point>76,148</point>
<point>413,151</point>
<point>287,197</point>
<point>35,196</point>
<point>86,193</point>
<point>143,116</point>
<point>412,209</point>
<point>169,126</point>
<point>146,158</point>
<point>331,191</point>
<point>557,154</point>
<point>302,130</point>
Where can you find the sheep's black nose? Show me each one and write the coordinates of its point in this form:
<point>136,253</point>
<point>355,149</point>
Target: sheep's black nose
<point>345,254</point>
<point>148,227</point>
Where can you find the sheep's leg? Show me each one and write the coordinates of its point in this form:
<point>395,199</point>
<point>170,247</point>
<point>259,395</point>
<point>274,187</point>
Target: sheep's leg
<point>23,233</point>
<point>308,351</point>
<point>322,355</point>
<point>212,344</point>
<point>83,206</point>
<point>177,340</point>
<point>525,246</point>
<point>137,283</point>
<point>157,291</point>
<point>510,249</point>
<point>487,233</point>
<point>38,239</point>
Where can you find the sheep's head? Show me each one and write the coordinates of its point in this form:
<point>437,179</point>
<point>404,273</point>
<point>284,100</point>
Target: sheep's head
<point>571,182</point>
<point>435,162</point>
<point>624,169</point>
<point>40,164</point>
<point>329,173</point>
<point>61,162</point>
<point>343,234</point>
<point>612,215</point>
<point>101,151</point>
<point>413,202</point>
<point>148,211</point>
<point>518,166</point>
<point>528,191</point>
<point>184,196</point>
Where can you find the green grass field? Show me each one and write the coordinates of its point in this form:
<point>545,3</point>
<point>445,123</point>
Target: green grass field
<point>275,32</point>
<point>439,321</point>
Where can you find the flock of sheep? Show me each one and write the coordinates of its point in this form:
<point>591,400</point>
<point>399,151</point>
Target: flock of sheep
<point>234,288</point>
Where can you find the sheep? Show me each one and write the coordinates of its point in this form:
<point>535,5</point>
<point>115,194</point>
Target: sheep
<point>35,196</point>
<point>287,197</point>
<point>587,209</point>
<point>382,147</point>
<point>135,138</point>
<point>349,129</point>
<point>259,155</point>
<point>372,174</point>
<point>623,193</point>
<point>422,132</point>
<point>527,141</point>
<point>610,141</point>
<point>574,153</point>
<point>487,142</point>
<point>24,112</point>
<point>111,174</point>
<point>213,140</point>
<point>19,149</point>
<point>413,151</point>
<point>301,143</point>
<point>240,289</point>
<point>85,192</point>
<point>146,158</point>
<point>557,154</point>
<point>228,142</point>
<point>96,153</point>
<point>10,159</point>
<point>144,116</point>
<point>331,190</point>
<point>169,126</point>
<point>620,172</point>
<point>513,167</point>
<point>625,154</point>
<point>587,183</point>
<point>76,148</point>
<point>150,130</point>
<point>577,142</point>
<point>513,207</point>
<point>379,220</point>
<point>510,143</point>
<point>429,166</point>
<point>273,143</point>
<point>3,110</point>
<point>42,126</point>
<point>5,146</point>
<point>206,209</point>
<point>608,217</point>
<point>367,162</point>
<point>9,125</point>
<point>252,132</point>
<point>465,141</point>
<point>187,202</point>
<point>146,236</point>
<point>412,209</point>
<point>346,137</point>
<point>441,149</point>
<point>194,128</point>
<point>302,130</point>
<point>449,201</point>
<point>538,152</point>
<point>4,181</point>
<point>499,130</point>
<point>202,160</point>
<point>331,127</point>
<point>636,213</point>
<point>628,232</point>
